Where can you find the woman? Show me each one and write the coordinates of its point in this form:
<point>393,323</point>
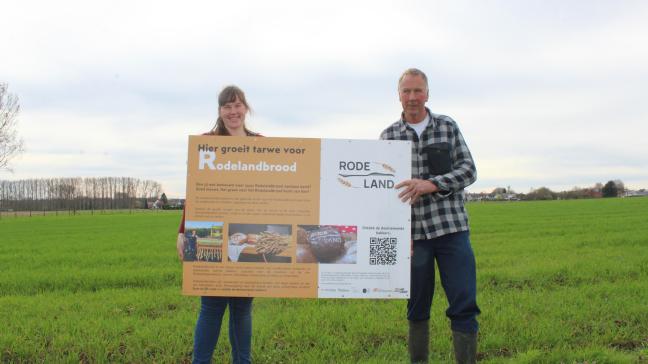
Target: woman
<point>232,109</point>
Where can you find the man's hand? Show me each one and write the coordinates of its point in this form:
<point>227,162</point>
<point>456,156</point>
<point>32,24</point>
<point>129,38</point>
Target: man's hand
<point>180,244</point>
<point>414,189</point>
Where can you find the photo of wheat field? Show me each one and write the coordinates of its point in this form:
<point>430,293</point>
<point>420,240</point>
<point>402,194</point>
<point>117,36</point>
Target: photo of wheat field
<point>558,282</point>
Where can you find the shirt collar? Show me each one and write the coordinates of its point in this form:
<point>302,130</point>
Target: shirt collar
<point>403,123</point>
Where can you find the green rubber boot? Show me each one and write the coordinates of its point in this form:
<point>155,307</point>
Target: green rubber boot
<point>418,342</point>
<point>465,347</point>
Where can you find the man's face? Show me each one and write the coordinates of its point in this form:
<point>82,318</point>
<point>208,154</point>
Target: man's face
<point>413,94</point>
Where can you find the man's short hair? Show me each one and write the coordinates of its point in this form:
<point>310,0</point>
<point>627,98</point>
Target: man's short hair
<point>413,72</point>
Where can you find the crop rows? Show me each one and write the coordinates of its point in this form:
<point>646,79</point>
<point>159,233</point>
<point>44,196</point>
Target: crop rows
<point>558,281</point>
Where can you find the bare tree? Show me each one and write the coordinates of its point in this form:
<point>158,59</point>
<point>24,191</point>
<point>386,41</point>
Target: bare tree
<point>10,144</point>
<point>620,187</point>
<point>76,193</point>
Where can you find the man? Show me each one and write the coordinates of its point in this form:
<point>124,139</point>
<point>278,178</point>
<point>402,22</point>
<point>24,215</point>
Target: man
<point>441,167</point>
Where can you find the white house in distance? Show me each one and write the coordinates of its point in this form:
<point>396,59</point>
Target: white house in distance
<point>637,193</point>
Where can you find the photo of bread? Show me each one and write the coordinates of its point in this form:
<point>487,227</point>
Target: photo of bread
<point>334,244</point>
<point>304,254</point>
<point>302,236</point>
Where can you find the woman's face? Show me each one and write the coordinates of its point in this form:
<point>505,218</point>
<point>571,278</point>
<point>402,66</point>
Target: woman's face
<point>233,114</point>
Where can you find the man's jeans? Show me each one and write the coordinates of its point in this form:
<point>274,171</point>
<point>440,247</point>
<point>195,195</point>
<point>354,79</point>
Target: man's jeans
<point>208,327</point>
<point>456,262</point>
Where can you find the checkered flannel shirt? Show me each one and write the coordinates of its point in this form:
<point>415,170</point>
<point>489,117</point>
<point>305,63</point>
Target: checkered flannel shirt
<point>441,212</point>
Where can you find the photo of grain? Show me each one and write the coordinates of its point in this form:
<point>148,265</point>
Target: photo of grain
<point>333,244</point>
<point>260,243</point>
<point>272,243</point>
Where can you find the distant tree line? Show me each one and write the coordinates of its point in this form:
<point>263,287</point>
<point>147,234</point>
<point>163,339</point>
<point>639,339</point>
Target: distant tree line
<point>610,189</point>
<point>93,193</point>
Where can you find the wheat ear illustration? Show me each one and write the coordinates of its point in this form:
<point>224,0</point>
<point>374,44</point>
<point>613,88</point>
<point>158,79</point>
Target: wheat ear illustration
<point>344,182</point>
<point>388,167</point>
<point>385,166</point>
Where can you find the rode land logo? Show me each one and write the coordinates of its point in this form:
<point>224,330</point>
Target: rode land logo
<point>364,174</point>
<point>207,159</point>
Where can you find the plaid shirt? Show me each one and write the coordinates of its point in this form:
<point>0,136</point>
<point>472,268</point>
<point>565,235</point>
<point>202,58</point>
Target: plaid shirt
<point>442,212</point>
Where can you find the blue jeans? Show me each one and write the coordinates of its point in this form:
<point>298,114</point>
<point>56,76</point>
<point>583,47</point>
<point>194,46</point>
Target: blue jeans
<point>456,262</point>
<point>208,327</point>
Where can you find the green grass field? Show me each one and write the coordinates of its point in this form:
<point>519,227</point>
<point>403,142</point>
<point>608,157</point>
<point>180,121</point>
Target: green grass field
<point>558,281</point>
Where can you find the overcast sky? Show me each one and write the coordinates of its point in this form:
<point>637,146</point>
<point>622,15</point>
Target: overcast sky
<point>546,93</point>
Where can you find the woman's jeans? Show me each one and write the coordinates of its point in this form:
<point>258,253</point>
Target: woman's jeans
<point>208,327</point>
<point>454,256</point>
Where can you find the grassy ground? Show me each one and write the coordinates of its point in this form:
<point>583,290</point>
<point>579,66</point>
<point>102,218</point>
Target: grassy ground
<point>558,281</point>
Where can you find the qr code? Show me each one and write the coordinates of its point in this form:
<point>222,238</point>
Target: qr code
<point>382,251</point>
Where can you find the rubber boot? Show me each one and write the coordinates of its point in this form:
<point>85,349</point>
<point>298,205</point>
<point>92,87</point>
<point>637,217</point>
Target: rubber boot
<point>465,347</point>
<point>418,342</point>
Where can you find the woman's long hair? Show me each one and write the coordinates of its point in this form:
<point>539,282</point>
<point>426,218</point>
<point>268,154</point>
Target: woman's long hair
<point>230,94</point>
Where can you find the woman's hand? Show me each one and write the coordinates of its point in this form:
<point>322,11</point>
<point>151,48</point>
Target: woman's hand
<point>180,244</point>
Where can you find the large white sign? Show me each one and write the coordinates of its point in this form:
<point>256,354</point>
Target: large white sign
<point>289,217</point>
